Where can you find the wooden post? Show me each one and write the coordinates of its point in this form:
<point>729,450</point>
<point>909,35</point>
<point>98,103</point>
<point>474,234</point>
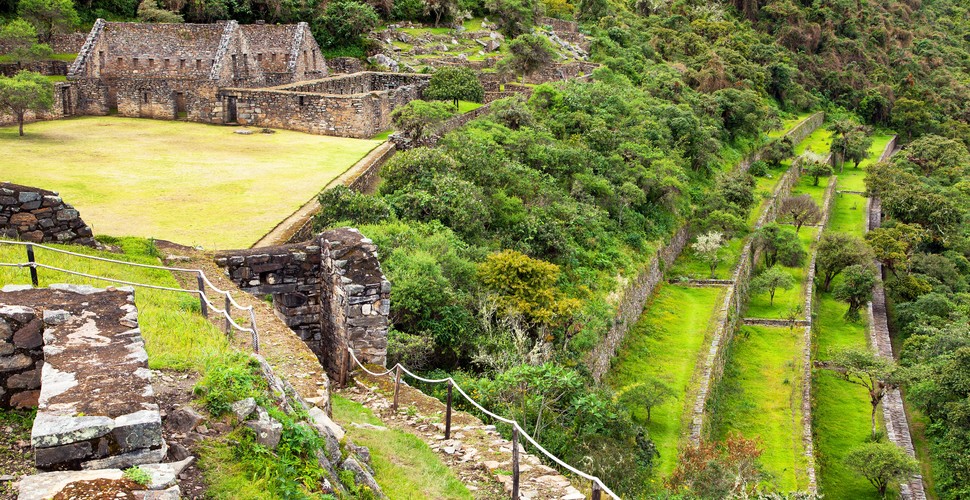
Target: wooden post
<point>397,386</point>
<point>597,492</point>
<point>33,270</point>
<point>205,308</point>
<point>448,414</point>
<point>344,368</point>
<point>228,324</point>
<point>515,462</point>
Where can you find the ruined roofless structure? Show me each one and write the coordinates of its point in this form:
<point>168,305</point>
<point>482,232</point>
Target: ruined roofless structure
<point>167,71</point>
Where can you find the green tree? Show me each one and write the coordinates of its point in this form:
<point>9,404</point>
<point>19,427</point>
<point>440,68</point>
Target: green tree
<point>527,286</point>
<point>882,464</point>
<point>593,10</point>
<point>855,289</point>
<point>911,116</point>
<point>778,244</point>
<point>23,92</point>
<point>20,38</point>
<point>778,151</point>
<point>867,369</point>
<point>529,52</point>
<point>150,12</point>
<point>837,251</point>
<point>440,9</point>
<point>455,84</point>
<point>344,204</point>
<point>814,166</point>
<point>857,147</point>
<point>49,16</point>
<point>419,119</point>
<point>514,17</point>
<point>894,245</point>
<point>770,280</point>
<point>344,22</point>
<point>647,394</point>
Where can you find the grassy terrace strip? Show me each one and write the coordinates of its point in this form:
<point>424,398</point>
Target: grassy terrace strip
<point>841,410</point>
<point>404,465</point>
<point>666,344</point>
<point>190,183</point>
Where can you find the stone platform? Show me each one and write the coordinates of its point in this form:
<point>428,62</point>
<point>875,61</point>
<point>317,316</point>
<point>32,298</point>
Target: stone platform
<point>96,408</point>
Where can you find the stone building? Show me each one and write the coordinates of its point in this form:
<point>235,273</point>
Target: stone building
<point>169,71</point>
<point>228,73</point>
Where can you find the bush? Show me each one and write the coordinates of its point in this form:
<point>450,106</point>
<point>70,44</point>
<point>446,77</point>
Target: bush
<point>343,23</point>
<point>344,204</point>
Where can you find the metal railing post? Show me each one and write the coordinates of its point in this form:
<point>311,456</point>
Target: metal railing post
<point>33,268</point>
<point>515,462</point>
<point>205,308</point>
<point>448,414</point>
<point>397,386</point>
<point>228,324</point>
<point>597,492</point>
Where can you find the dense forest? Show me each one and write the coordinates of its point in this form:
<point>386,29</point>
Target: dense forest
<point>508,243</point>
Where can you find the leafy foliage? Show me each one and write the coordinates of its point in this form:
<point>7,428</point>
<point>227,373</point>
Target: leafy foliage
<point>344,22</point>
<point>770,280</point>
<point>882,464</point>
<point>455,84</point>
<point>23,92</point>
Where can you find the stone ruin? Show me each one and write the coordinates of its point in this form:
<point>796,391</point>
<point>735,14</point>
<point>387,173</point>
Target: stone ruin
<point>40,216</point>
<point>329,290</point>
<point>76,353</point>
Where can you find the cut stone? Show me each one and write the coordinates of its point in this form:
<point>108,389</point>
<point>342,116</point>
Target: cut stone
<point>51,430</point>
<point>15,362</point>
<point>48,484</point>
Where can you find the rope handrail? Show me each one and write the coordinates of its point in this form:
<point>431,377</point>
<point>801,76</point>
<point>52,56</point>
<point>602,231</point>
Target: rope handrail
<point>230,322</point>
<point>521,431</point>
<point>199,272</point>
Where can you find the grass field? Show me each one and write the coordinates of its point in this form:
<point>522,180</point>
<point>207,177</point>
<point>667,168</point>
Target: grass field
<point>404,466</point>
<point>760,306</point>
<point>690,266</point>
<point>761,399</point>
<point>190,183</point>
<point>665,344</point>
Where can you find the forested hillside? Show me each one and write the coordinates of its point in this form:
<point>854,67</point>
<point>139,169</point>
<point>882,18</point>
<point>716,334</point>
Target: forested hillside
<point>510,243</point>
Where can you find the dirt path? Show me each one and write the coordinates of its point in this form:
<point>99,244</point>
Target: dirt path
<point>481,457</point>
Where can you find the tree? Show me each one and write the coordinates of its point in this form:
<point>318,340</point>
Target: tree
<point>419,119</point>
<point>770,280</point>
<point>778,244</point>
<point>802,210</point>
<point>25,91</point>
<point>440,9</point>
<point>514,17</point>
<point>837,251</point>
<point>344,204</point>
<point>344,22</point>
<point>911,115</point>
<point>455,84</point>
<point>814,166</point>
<point>20,38</point>
<point>648,394</point>
<point>530,52</point>
<point>708,248</point>
<point>593,10</point>
<point>150,12</point>
<point>867,369</point>
<point>855,289</point>
<point>718,470</point>
<point>527,286</point>
<point>894,245</point>
<point>778,151</point>
<point>857,147</point>
<point>882,464</point>
<point>48,16</point>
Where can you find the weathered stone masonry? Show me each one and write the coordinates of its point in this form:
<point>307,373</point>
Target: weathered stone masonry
<point>39,216</point>
<point>330,291</point>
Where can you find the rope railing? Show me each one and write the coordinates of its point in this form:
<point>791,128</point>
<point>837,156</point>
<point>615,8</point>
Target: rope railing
<point>203,281</point>
<point>598,487</point>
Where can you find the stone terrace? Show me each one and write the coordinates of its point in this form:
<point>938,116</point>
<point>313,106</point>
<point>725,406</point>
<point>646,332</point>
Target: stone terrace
<point>96,405</point>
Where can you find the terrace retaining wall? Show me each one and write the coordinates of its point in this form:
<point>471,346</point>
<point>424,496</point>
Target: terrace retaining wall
<point>21,356</point>
<point>40,216</point>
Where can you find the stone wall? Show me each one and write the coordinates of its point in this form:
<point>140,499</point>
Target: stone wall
<point>633,299</point>
<point>344,65</point>
<point>806,127</point>
<point>330,291</point>
<point>557,72</point>
<point>68,43</point>
<point>358,83</point>
<point>64,96</point>
<point>21,356</point>
<point>302,107</point>
<point>40,216</point>
<point>48,68</point>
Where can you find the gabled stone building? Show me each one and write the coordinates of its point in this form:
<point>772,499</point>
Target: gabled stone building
<point>168,71</point>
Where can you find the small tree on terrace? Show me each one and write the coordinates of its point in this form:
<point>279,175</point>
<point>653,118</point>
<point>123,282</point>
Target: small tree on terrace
<point>25,91</point>
<point>778,151</point>
<point>455,84</point>
<point>779,244</point>
<point>530,52</point>
<point>724,470</point>
<point>837,251</point>
<point>440,9</point>
<point>868,369</point>
<point>708,247</point>
<point>802,210</point>
<point>882,464</point>
<point>770,280</point>
<point>21,39</point>
<point>648,394</point>
<point>815,166</point>
<point>855,289</point>
<point>894,245</point>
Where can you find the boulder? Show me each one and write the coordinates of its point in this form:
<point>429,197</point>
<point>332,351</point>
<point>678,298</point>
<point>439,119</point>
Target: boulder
<point>268,430</point>
<point>243,408</point>
<point>362,477</point>
<point>183,420</point>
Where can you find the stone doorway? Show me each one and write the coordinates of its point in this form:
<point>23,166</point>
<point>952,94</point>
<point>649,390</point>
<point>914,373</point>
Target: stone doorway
<point>232,115</point>
<point>181,111</point>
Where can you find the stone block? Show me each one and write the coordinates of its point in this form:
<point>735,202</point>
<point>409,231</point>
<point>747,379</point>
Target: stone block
<point>26,399</point>
<point>30,336</point>
<point>138,430</point>
<point>23,219</point>
<point>14,363</point>
<point>25,380</point>
<point>183,420</point>
<point>28,196</point>
<point>6,348</point>
<point>67,453</point>
<point>52,430</point>
<point>47,485</point>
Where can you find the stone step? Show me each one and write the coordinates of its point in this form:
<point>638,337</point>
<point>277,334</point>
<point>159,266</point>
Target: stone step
<point>96,407</point>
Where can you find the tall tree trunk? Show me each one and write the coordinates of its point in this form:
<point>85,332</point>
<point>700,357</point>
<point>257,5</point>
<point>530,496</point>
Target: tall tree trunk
<point>20,121</point>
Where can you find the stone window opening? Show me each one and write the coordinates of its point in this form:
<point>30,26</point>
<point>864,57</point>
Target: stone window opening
<point>151,63</point>
<point>198,64</point>
<point>144,97</point>
<point>165,64</point>
<point>101,58</point>
<point>181,63</point>
<point>259,57</point>
<point>134,61</point>
<point>302,102</point>
<point>120,61</point>
<point>272,57</point>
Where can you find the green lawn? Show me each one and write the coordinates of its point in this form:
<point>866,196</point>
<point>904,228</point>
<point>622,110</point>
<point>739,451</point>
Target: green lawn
<point>848,214</point>
<point>819,142</point>
<point>788,124</point>
<point>805,185</point>
<point>666,343</point>
<point>190,183</point>
<point>852,178</point>
<point>690,266</point>
<point>466,106</point>
<point>404,465</point>
<point>760,305</point>
<point>761,399</point>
